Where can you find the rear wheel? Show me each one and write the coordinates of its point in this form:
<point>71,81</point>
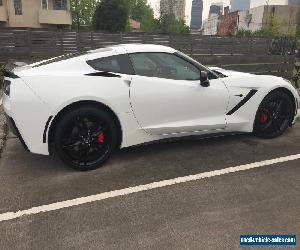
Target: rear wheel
<point>274,115</point>
<point>85,138</point>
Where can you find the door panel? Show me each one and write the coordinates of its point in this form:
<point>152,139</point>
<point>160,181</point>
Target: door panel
<point>165,106</point>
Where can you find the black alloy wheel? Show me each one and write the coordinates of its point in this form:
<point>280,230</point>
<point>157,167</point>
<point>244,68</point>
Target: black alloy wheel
<point>85,138</point>
<point>274,115</point>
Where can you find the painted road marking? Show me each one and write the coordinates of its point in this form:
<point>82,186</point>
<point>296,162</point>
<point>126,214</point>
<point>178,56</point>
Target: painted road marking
<point>126,191</point>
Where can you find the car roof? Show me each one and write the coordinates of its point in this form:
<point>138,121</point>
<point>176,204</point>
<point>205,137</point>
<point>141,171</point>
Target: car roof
<point>105,52</point>
<point>135,48</point>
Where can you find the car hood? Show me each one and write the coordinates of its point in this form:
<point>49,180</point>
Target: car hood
<point>251,81</point>
<point>229,73</point>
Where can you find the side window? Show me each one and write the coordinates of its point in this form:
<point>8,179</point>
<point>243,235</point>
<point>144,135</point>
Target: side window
<point>60,5</point>
<point>107,64</point>
<point>164,65</point>
<point>143,65</point>
<point>114,64</point>
<point>44,4</point>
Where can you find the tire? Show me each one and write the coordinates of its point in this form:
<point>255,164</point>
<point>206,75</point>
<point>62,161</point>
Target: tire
<point>274,115</point>
<point>85,138</point>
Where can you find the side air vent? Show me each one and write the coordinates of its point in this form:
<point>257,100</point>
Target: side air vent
<point>242,102</point>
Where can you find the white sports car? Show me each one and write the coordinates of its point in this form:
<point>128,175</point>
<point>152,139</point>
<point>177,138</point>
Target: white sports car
<point>86,105</point>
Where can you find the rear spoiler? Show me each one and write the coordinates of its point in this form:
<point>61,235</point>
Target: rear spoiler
<point>9,74</point>
<point>9,68</point>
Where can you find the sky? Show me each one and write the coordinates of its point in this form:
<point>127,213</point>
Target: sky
<point>206,5</point>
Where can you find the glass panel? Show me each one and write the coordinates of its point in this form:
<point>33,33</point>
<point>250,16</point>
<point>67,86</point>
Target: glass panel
<point>60,4</point>
<point>45,4</point>
<point>164,65</point>
<point>18,7</point>
<point>107,64</point>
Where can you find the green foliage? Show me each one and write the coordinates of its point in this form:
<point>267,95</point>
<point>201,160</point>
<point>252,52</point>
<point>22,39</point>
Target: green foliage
<point>149,23</point>
<point>83,11</point>
<point>275,26</point>
<point>169,24</point>
<point>1,70</point>
<point>257,33</point>
<point>140,10</point>
<point>244,33</point>
<point>111,15</point>
<point>1,75</point>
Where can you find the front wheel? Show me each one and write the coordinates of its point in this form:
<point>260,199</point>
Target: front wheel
<point>274,115</point>
<point>85,138</point>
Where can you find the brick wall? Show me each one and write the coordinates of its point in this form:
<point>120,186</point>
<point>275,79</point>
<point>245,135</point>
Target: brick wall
<point>228,23</point>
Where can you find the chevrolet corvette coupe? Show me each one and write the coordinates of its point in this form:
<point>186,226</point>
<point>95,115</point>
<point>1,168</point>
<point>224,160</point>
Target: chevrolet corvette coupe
<point>83,106</point>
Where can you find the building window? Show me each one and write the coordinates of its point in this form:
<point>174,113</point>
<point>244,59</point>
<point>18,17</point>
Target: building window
<point>1,3</point>
<point>45,4</point>
<point>60,4</point>
<point>18,7</point>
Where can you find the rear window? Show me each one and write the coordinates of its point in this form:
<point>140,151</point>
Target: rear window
<point>107,64</point>
<point>114,64</point>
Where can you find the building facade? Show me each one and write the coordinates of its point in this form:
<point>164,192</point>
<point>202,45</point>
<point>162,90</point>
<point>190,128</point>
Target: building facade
<point>251,19</point>
<point>196,15</point>
<point>35,13</point>
<point>287,16</point>
<point>216,8</point>
<point>256,3</point>
<point>176,7</point>
<point>210,25</point>
<point>228,23</point>
<point>294,2</point>
<point>238,5</point>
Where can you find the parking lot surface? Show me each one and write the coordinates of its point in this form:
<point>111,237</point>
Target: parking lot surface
<point>208,213</point>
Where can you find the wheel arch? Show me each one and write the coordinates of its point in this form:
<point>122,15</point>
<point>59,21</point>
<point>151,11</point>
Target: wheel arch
<point>74,105</point>
<point>289,93</point>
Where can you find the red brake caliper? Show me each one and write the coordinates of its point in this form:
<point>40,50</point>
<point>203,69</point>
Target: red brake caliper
<point>264,117</point>
<point>100,137</point>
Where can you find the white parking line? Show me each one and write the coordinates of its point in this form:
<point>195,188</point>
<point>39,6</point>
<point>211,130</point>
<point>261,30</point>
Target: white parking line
<point>126,191</point>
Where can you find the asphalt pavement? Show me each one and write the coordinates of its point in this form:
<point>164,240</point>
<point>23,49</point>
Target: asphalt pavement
<point>208,213</point>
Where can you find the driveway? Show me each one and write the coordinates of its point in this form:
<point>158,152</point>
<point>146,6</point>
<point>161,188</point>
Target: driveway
<point>205,209</point>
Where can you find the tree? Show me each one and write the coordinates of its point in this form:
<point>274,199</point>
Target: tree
<point>83,11</point>
<point>149,23</point>
<point>244,33</point>
<point>274,26</point>
<point>140,11</point>
<point>170,24</point>
<point>111,15</point>
<point>277,26</point>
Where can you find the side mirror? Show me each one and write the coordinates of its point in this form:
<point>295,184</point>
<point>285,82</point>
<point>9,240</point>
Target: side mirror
<point>204,81</point>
